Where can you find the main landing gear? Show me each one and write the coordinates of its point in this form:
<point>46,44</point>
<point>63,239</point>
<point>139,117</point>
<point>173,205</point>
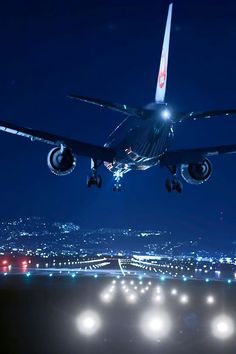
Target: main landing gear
<point>173,184</point>
<point>94,179</point>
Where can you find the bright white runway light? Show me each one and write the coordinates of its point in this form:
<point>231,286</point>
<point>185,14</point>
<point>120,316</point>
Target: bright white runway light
<point>132,298</point>
<point>158,298</point>
<point>155,325</point>
<point>223,327</point>
<point>106,297</point>
<point>174,292</point>
<point>210,300</point>
<point>184,299</point>
<point>88,323</point>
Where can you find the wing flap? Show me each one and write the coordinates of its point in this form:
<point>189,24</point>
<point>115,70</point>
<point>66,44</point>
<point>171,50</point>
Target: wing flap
<point>78,147</point>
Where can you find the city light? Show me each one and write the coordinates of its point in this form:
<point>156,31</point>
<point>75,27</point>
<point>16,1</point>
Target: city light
<point>223,327</point>
<point>88,322</point>
<point>155,325</point>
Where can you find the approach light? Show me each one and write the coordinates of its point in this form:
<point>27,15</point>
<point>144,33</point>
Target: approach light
<point>223,327</point>
<point>210,299</point>
<point>106,297</point>
<point>132,298</point>
<point>184,299</point>
<point>88,322</point>
<point>165,114</point>
<point>174,292</point>
<point>158,298</point>
<point>155,325</point>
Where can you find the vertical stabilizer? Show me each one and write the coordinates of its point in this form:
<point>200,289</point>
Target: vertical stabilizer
<point>162,75</point>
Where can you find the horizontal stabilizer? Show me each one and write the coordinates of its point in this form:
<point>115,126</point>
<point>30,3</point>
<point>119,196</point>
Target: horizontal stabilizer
<point>122,108</point>
<point>180,117</point>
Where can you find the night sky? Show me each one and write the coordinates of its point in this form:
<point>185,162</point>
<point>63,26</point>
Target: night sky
<point>111,50</point>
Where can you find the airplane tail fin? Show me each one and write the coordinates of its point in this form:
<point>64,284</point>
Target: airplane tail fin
<point>162,75</point>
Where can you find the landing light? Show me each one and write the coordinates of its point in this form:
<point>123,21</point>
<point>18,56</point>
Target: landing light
<point>165,114</point>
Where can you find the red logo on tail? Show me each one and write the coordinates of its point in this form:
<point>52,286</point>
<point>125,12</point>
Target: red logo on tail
<point>162,72</point>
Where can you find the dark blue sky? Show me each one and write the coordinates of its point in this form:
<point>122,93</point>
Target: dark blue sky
<point>111,50</point>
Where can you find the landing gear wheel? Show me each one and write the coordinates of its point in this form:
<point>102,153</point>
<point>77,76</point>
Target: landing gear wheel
<point>99,181</point>
<point>174,185</point>
<point>168,185</point>
<point>94,180</point>
<point>179,187</point>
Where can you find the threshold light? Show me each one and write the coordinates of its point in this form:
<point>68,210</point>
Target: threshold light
<point>223,327</point>
<point>88,323</point>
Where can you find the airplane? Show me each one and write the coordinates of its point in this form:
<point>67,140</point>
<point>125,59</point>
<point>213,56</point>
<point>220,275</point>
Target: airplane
<point>141,141</point>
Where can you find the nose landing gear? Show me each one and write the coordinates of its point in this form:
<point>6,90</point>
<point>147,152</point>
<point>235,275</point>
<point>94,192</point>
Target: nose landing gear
<point>117,177</point>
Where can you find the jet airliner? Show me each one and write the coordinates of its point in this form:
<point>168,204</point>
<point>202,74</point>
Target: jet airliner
<point>142,140</point>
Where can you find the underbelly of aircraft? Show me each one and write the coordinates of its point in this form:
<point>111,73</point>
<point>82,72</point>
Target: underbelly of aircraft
<point>140,149</point>
<point>132,161</point>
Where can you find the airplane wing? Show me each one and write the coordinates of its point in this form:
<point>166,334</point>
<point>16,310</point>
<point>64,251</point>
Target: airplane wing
<point>78,147</point>
<point>196,155</point>
<point>180,117</point>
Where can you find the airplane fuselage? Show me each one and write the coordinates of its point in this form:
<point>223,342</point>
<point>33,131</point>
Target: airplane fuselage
<point>139,143</point>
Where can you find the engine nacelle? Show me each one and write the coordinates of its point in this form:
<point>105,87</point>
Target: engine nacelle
<point>61,162</point>
<point>196,173</point>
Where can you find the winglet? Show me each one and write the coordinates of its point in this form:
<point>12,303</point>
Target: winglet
<point>162,75</point>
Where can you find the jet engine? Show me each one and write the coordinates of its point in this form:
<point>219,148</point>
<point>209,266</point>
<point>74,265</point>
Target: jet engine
<point>196,173</point>
<point>61,161</point>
